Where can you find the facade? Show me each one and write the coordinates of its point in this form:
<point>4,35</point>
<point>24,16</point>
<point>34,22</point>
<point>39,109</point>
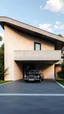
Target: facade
<point>28,48</point>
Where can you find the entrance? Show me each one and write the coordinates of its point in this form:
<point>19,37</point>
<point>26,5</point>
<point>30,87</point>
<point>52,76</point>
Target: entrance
<point>27,67</point>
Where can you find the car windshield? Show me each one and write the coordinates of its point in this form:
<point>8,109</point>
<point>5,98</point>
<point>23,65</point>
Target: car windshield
<point>34,72</point>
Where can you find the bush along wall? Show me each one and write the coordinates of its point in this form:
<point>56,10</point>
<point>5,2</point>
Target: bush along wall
<point>1,64</point>
<point>61,73</point>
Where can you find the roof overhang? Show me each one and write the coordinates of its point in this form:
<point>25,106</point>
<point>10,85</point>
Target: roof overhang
<point>57,40</point>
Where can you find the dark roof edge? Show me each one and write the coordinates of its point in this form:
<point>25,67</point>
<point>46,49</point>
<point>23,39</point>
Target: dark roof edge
<point>11,21</point>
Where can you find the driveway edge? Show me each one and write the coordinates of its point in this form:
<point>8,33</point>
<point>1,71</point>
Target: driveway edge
<point>6,83</point>
<point>59,84</point>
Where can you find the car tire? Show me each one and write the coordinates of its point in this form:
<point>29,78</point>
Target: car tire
<point>26,80</point>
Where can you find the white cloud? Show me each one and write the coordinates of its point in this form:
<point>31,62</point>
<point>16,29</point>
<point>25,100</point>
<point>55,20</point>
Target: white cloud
<point>1,34</point>
<point>54,6</point>
<point>51,28</point>
<point>41,7</point>
<point>46,27</point>
<point>59,25</point>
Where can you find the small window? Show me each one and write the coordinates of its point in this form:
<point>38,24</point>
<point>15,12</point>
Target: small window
<point>37,46</point>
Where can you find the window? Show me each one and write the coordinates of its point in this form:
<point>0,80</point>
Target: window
<point>37,46</point>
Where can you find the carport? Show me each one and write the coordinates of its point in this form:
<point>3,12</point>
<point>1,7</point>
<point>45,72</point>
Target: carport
<point>26,60</point>
<point>46,67</point>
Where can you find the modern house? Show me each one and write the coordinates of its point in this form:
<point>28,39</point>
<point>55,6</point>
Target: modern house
<point>27,48</point>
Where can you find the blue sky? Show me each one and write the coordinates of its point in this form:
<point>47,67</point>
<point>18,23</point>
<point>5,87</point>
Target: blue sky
<point>44,14</point>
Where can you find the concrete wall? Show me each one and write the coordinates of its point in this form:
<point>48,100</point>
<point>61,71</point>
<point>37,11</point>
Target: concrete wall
<point>32,55</point>
<point>46,69</point>
<point>49,72</point>
<point>58,68</point>
<point>18,71</point>
<point>19,41</point>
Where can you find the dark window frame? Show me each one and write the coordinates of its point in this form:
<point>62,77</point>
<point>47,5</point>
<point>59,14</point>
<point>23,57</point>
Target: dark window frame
<point>35,45</point>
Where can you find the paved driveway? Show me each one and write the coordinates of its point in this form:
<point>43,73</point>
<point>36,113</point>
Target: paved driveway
<point>45,87</point>
<point>32,104</point>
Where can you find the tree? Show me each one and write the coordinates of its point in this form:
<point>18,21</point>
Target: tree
<point>1,63</point>
<point>61,73</point>
<point>2,47</point>
<point>60,35</point>
<point>0,38</point>
<point>5,72</point>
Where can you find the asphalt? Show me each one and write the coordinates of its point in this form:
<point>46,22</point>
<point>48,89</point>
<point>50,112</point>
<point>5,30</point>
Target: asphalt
<point>45,87</point>
<point>32,104</point>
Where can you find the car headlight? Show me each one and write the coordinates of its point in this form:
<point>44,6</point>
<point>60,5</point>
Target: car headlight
<point>25,76</point>
<point>38,76</point>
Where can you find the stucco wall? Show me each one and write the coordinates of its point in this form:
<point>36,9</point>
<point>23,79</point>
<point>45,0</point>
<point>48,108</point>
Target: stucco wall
<point>49,72</point>
<point>20,41</point>
<point>46,69</point>
<point>58,68</point>
<point>18,71</point>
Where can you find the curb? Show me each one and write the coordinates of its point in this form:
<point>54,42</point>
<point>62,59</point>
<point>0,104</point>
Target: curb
<point>6,83</point>
<point>59,84</point>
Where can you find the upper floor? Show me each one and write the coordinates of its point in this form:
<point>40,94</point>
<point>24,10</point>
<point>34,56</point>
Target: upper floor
<point>25,30</point>
<point>24,42</point>
<point>27,47</point>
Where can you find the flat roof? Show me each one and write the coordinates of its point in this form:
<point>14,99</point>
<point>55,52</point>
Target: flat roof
<point>59,41</point>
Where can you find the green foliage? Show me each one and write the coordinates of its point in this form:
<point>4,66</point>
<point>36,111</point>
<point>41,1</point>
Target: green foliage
<point>0,38</point>
<point>2,71</point>
<point>61,73</point>
<point>1,64</point>
<point>2,47</point>
<point>60,35</point>
<point>5,72</point>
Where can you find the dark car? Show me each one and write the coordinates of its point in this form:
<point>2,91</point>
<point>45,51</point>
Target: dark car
<point>33,75</point>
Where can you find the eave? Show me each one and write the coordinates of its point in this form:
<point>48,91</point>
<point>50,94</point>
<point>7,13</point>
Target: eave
<point>17,25</point>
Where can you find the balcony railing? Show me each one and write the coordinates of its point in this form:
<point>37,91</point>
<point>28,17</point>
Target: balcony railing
<point>32,55</point>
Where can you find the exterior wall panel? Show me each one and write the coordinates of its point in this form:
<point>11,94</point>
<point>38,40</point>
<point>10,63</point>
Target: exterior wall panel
<point>19,41</point>
<point>37,55</point>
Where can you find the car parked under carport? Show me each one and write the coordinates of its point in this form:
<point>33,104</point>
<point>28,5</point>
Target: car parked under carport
<point>34,75</point>
<point>22,68</point>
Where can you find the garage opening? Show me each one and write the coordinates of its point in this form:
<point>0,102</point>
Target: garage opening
<point>23,67</point>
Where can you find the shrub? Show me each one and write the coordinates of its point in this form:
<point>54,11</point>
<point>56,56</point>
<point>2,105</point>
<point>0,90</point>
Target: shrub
<point>1,66</point>
<point>1,63</point>
<point>61,73</point>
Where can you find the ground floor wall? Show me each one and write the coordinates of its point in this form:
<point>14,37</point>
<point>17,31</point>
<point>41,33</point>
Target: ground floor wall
<point>14,72</point>
<point>46,69</point>
<point>57,69</point>
<point>18,69</point>
<point>49,72</point>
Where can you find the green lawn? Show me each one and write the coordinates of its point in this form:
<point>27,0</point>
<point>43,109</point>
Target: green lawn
<point>61,82</point>
<point>2,81</point>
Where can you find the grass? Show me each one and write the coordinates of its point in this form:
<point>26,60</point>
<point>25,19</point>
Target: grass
<point>2,81</point>
<point>61,82</point>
